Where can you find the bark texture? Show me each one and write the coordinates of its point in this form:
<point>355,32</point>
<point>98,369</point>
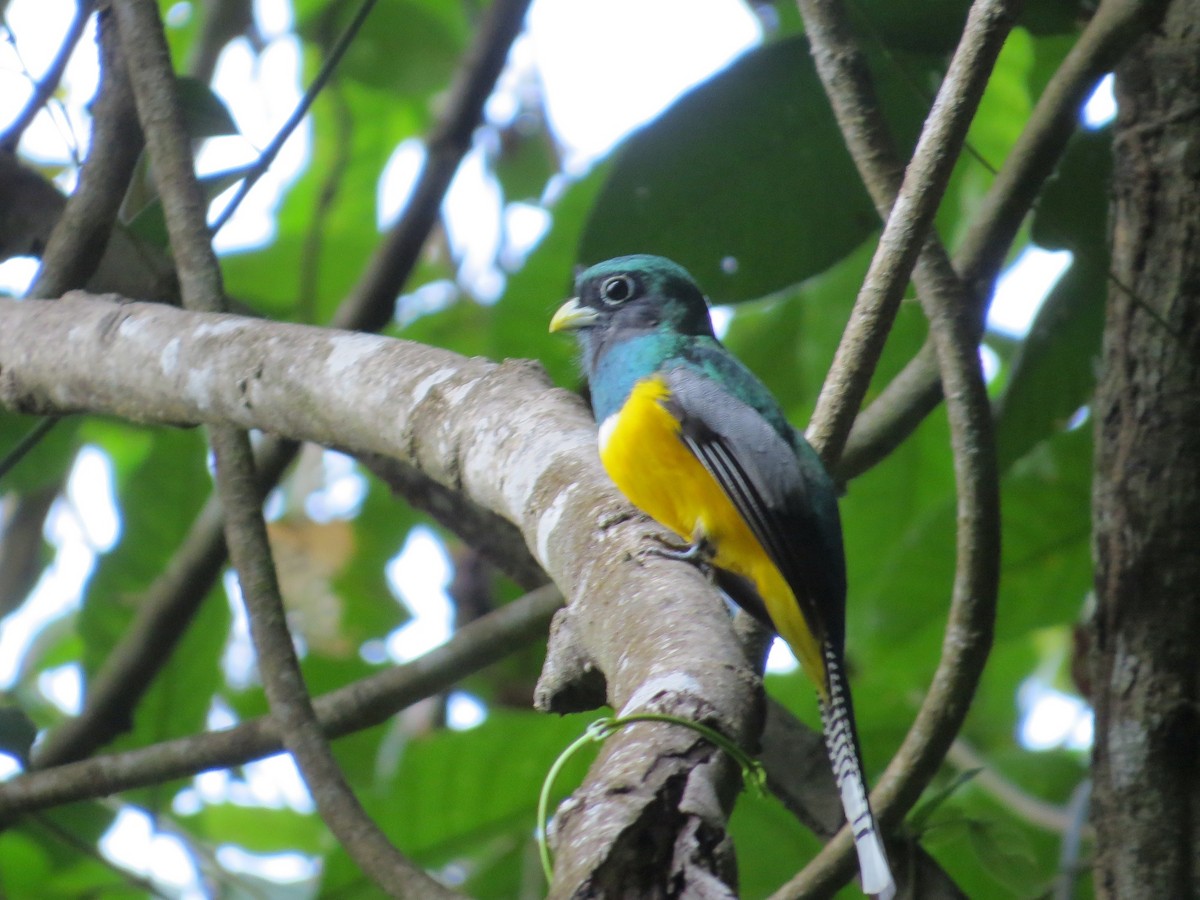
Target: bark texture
<point>1146,641</point>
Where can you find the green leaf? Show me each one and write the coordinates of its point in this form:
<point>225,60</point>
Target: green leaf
<point>158,497</point>
<point>1073,211</point>
<point>1005,853</point>
<point>1046,552</point>
<point>48,462</point>
<point>1053,374</point>
<point>17,733</point>
<point>405,47</point>
<point>932,27</point>
<point>258,830</point>
<point>204,113</point>
<point>745,181</point>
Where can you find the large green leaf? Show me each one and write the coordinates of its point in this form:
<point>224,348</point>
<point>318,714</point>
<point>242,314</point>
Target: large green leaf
<point>1053,374</point>
<point>405,47</point>
<point>158,497</point>
<point>468,800</point>
<point>744,180</point>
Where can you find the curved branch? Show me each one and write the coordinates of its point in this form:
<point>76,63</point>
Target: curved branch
<point>972,613</point>
<point>82,233</point>
<point>917,389</point>
<point>911,215</point>
<point>352,708</point>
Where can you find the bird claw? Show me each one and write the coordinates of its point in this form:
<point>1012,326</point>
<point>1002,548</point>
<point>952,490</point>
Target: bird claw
<point>700,552</point>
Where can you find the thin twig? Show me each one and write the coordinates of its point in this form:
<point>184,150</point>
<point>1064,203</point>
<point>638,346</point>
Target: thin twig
<point>44,89</point>
<point>268,155</point>
<point>357,706</point>
<point>917,390</point>
<point>20,450</point>
<point>911,214</point>
<point>201,289</point>
<point>1034,810</point>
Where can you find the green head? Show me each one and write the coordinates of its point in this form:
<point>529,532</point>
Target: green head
<point>632,295</point>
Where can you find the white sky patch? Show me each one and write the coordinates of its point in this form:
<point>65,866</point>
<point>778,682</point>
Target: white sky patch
<point>79,527</point>
<point>63,686</point>
<point>611,65</point>
<point>17,274</point>
<point>238,661</point>
<point>9,767</point>
<point>464,712</point>
<point>343,493</point>
<point>419,575</point>
<point>278,867</point>
<point>133,843</point>
<point>989,361</point>
<point>1024,286</point>
<point>1051,719</point>
<point>473,219</point>
<point>780,659</point>
<point>721,316</point>
<point>397,180</point>
<point>525,224</point>
<point>1101,107</point>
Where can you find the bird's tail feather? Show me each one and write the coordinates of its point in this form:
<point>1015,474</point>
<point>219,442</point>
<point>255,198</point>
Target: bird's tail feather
<point>841,740</point>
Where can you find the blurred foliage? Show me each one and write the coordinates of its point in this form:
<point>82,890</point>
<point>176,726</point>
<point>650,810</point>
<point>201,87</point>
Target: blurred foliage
<point>745,181</point>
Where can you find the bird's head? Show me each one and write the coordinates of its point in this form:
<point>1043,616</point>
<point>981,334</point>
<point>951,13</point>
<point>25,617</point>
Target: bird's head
<point>633,295</point>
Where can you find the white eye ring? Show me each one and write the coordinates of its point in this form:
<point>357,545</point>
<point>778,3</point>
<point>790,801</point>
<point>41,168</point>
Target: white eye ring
<point>617,290</point>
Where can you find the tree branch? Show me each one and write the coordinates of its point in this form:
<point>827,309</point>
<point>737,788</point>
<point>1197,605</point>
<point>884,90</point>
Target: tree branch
<point>363,704</point>
<point>185,207</point>
<point>78,241</point>
<point>658,631</point>
<point>170,603</point>
<point>917,390</point>
<point>911,215</point>
<point>972,613</point>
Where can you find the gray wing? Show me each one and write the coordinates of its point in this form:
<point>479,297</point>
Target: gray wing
<point>779,487</point>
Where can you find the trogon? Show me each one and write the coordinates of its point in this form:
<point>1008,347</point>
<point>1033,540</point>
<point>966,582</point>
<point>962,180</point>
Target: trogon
<point>699,444</point>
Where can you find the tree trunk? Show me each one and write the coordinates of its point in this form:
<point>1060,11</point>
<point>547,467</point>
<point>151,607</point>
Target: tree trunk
<point>1146,529</point>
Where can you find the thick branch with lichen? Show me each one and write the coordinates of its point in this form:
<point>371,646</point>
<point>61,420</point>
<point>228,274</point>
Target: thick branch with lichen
<point>658,634</point>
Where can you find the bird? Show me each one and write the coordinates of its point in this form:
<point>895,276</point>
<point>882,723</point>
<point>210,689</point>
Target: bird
<point>697,442</point>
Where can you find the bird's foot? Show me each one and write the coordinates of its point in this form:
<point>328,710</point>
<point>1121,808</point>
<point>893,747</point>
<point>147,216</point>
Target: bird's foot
<point>700,552</point>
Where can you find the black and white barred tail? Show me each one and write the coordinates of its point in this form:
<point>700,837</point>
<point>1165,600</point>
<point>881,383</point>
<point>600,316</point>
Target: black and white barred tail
<point>841,740</point>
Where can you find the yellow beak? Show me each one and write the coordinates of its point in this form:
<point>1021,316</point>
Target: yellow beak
<point>571,316</point>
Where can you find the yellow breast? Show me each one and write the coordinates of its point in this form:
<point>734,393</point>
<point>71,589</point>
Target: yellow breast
<point>644,454</point>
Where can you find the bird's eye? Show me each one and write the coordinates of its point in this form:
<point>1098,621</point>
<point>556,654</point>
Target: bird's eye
<point>617,289</point>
